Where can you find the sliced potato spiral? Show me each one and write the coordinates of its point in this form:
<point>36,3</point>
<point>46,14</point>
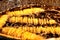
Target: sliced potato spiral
<point>28,11</point>
<point>46,30</point>
<point>19,33</point>
<point>31,20</point>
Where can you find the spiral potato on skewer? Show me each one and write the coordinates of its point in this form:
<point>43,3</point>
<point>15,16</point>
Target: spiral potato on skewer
<point>19,33</point>
<point>28,11</point>
<point>16,32</point>
<point>32,23</point>
<point>31,20</point>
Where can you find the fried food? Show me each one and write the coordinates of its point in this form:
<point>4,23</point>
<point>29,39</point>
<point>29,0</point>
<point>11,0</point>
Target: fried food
<point>28,11</point>
<point>19,33</point>
<point>31,20</point>
<point>46,30</point>
<point>3,20</point>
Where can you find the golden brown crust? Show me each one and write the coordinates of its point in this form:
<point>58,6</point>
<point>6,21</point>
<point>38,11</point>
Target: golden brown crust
<point>45,30</point>
<point>20,33</point>
<point>31,20</point>
<point>29,11</point>
<point>21,4</point>
<point>3,20</point>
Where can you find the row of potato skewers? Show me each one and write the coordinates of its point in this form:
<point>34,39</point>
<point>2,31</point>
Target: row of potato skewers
<point>6,16</point>
<point>27,32</point>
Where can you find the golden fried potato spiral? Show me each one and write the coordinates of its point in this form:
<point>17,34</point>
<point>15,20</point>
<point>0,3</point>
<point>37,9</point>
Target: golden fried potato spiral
<point>39,29</point>
<point>19,33</point>
<point>28,11</point>
<point>31,20</point>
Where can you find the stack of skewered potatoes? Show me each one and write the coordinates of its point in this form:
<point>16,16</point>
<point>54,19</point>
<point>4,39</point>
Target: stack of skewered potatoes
<point>30,24</point>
